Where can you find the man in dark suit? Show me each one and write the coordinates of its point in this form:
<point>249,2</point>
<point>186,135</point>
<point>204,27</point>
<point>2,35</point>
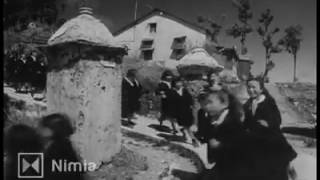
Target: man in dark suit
<point>32,67</point>
<point>21,73</point>
<point>131,93</point>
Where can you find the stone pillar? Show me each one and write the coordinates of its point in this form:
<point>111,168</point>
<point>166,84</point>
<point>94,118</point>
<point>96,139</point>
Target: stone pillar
<point>89,92</point>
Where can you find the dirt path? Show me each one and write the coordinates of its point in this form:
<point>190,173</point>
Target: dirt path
<point>142,159</point>
<point>298,131</point>
<point>150,127</point>
<point>290,118</point>
<point>160,160</point>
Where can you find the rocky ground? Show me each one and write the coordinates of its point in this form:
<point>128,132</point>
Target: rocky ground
<point>303,98</point>
<point>141,159</point>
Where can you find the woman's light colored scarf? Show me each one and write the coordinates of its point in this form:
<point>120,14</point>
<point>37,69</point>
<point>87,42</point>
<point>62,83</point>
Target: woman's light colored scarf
<point>221,118</point>
<point>130,82</point>
<point>167,83</point>
<point>255,103</point>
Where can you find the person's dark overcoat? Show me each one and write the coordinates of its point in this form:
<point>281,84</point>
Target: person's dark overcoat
<point>182,107</point>
<point>232,158</point>
<point>61,149</point>
<point>165,92</point>
<point>203,126</point>
<point>21,71</point>
<point>271,149</point>
<point>131,93</point>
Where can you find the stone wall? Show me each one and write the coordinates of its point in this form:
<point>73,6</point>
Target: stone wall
<point>21,109</point>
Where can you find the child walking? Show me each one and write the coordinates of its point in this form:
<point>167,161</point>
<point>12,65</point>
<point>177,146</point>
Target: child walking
<point>226,137</point>
<point>183,104</point>
<point>164,90</point>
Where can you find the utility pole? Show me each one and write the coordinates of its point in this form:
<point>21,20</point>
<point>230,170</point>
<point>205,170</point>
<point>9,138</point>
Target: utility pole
<point>135,10</point>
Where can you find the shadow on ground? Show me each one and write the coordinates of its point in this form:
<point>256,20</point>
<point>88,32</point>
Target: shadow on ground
<point>308,132</point>
<point>127,124</point>
<point>185,175</point>
<point>171,137</point>
<point>159,128</point>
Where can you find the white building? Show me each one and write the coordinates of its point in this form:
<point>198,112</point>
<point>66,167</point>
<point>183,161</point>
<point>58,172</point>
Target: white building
<point>160,36</point>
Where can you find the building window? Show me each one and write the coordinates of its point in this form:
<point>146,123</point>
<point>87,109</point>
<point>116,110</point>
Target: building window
<point>146,49</point>
<point>178,48</point>
<point>146,44</point>
<point>147,55</point>
<point>177,54</point>
<point>153,27</point>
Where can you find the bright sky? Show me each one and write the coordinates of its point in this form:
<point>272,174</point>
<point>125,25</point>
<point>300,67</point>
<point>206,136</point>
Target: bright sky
<point>117,13</point>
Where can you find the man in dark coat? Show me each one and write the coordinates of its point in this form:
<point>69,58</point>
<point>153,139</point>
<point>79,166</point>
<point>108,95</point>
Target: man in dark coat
<point>11,63</point>
<point>42,75</point>
<point>204,119</point>
<point>21,73</point>
<point>263,119</point>
<point>131,93</point>
<point>33,67</point>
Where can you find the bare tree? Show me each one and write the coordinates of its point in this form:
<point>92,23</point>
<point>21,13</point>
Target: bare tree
<point>244,28</point>
<point>266,35</point>
<point>213,28</point>
<point>291,42</point>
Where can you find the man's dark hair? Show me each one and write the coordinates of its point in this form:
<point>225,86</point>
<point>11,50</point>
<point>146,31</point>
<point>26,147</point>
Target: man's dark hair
<point>257,79</point>
<point>131,73</point>
<point>202,96</point>
<point>176,80</point>
<point>234,106</point>
<point>165,74</point>
<point>60,124</point>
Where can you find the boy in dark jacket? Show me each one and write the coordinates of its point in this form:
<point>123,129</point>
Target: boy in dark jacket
<point>226,138</point>
<point>182,106</point>
<point>164,90</point>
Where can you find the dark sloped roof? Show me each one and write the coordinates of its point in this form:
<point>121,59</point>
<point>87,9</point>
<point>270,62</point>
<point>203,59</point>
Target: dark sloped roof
<point>38,36</point>
<point>40,39</point>
<point>164,14</point>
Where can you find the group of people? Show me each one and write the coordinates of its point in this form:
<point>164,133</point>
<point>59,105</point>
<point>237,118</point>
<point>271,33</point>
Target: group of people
<point>26,73</point>
<point>176,105</point>
<point>51,137</point>
<point>243,140</point>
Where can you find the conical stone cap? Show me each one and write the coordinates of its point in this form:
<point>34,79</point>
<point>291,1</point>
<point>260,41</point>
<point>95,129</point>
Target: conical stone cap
<point>198,61</point>
<point>85,29</point>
